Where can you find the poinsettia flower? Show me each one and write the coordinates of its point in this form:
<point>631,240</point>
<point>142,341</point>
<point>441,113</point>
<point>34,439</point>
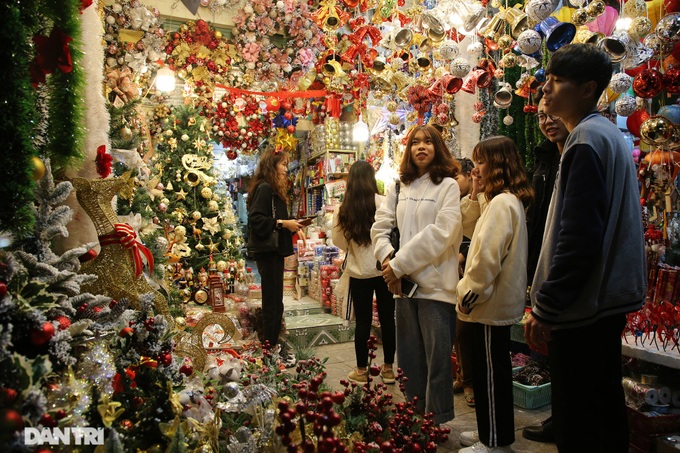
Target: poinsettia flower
<point>53,52</point>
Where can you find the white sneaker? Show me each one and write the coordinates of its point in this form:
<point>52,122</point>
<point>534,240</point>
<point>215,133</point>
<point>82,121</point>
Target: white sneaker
<point>481,448</point>
<point>468,438</point>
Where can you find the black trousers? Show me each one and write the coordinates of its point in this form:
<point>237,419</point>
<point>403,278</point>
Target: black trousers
<point>362,297</point>
<point>270,268</point>
<point>486,353</point>
<point>588,403</point>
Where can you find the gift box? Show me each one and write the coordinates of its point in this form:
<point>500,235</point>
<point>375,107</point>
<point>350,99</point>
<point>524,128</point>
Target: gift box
<point>255,292</point>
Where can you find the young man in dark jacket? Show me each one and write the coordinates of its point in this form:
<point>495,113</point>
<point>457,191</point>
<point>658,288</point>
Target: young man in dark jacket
<point>591,270</point>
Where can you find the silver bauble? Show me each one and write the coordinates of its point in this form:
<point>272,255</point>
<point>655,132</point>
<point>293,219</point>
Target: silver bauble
<point>668,27</point>
<point>625,105</point>
<point>459,67</point>
<point>620,82</point>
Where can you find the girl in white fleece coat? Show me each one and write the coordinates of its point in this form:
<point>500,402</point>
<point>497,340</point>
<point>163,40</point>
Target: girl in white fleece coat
<point>492,291</point>
<point>429,221</point>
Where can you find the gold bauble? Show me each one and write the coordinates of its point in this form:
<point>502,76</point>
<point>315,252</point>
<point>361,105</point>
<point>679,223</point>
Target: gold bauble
<point>218,34</point>
<point>656,130</point>
<point>508,61</point>
<point>640,27</point>
<point>394,119</point>
<point>38,168</point>
<point>183,28</point>
<point>126,133</point>
<point>595,8</point>
<point>505,42</point>
<point>580,17</point>
<point>392,106</point>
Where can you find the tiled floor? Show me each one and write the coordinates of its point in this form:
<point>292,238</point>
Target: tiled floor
<point>341,362</point>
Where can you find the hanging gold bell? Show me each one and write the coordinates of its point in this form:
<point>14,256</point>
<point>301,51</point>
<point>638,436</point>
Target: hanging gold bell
<point>403,38</point>
<point>423,60</point>
<point>615,45</point>
<point>494,29</point>
<point>333,68</point>
<point>585,36</point>
<point>518,21</point>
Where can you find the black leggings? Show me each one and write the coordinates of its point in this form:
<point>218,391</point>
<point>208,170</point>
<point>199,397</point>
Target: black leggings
<point>362,297</point>
<point>270,268</point>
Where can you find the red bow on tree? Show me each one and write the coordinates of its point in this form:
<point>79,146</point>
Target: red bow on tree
<point>103,161</point>
<point>51,53</point>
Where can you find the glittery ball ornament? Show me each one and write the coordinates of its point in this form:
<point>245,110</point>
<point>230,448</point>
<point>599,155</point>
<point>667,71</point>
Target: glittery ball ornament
<point>478,106</point>
<point>508,120</point>
<point>529,41</point>
<point>620,83</point>
<point>460,67</point>
<point>391,106</point>
<point>475,48</point>
<point>635,8</point>
<point>648,83</point>
<point>539,10</point>
<point>640,27</point>
<point>658,45</point>
<point>394,119</point>
<point>477,117</point>
<point>668,27</point>
<point>671,80</point>
<point>625,105</point>
<point>449,49</point>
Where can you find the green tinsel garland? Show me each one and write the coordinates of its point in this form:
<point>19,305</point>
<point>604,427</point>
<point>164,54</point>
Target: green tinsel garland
<point>17,116</point>
<point>66,133</point>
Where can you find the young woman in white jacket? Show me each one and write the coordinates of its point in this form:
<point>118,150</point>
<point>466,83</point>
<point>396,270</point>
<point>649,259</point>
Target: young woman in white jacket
<point>492,292</point>
<point>352,233</point>
<point>429,220</point>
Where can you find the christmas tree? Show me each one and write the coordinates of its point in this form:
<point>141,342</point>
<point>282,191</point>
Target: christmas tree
<point>197,218</point>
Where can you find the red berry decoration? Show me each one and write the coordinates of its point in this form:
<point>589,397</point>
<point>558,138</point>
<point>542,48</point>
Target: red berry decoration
<point>165,359</point>
<point>40,336</point>
<point>3,289</point>
<point>48,421</point>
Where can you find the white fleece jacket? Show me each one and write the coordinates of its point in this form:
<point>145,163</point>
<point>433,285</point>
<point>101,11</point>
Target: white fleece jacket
<point>429,220</point>
<point>495,280</point>
<point>360,259</point>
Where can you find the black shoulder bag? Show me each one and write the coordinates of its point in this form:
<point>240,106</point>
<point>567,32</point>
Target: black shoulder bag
<point>268,245</point>
<point>395,237</point>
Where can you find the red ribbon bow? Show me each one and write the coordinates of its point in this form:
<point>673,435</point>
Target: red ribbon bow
<point>126,236</point>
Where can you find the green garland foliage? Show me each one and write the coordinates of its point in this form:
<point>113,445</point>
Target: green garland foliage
<point>16,119</point>
<point>66,133</point>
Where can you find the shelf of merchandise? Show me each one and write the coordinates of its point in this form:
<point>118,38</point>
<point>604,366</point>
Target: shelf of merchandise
<point>650,352</point>
<point>315,195</point>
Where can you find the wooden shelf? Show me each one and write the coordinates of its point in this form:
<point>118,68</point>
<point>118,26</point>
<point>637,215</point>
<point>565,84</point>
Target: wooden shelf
<point>315,186</point>
<point>339,175</point>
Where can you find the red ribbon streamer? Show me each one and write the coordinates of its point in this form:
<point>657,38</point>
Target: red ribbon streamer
<point>333,106</point>
<point>278,94</point>
<point>125,235</point>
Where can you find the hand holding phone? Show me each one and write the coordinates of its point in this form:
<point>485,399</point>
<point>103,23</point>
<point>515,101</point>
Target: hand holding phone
<point>305,222</point>
<point>408,287</point>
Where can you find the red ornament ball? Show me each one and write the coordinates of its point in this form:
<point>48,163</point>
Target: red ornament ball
<point>648,83</point>
<point>635,120</point>
<point>7,396</point>
<point>10,422</point>
<point>186,370</point>
<point>671,80</point>
<point>88,256</point>
<point>3,289</point>
<point>40,336</point>
<point>231,154</point>
<point>291,129</point>
<point>288,115</point>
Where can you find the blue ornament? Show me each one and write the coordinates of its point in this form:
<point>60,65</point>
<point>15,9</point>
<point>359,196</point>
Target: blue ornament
<point>539,75</point>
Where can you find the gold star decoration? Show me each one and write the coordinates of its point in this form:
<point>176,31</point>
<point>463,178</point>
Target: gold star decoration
<point>199,144</point>
<point>212,246</point>
<point>181,195</point>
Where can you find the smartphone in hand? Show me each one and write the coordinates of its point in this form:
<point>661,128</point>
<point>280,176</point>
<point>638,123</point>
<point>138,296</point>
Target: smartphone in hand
<point>408,287</point>
<point>305,222</point>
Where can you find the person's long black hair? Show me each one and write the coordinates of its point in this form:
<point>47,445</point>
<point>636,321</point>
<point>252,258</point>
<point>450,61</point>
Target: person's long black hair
<point>357,211</point>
